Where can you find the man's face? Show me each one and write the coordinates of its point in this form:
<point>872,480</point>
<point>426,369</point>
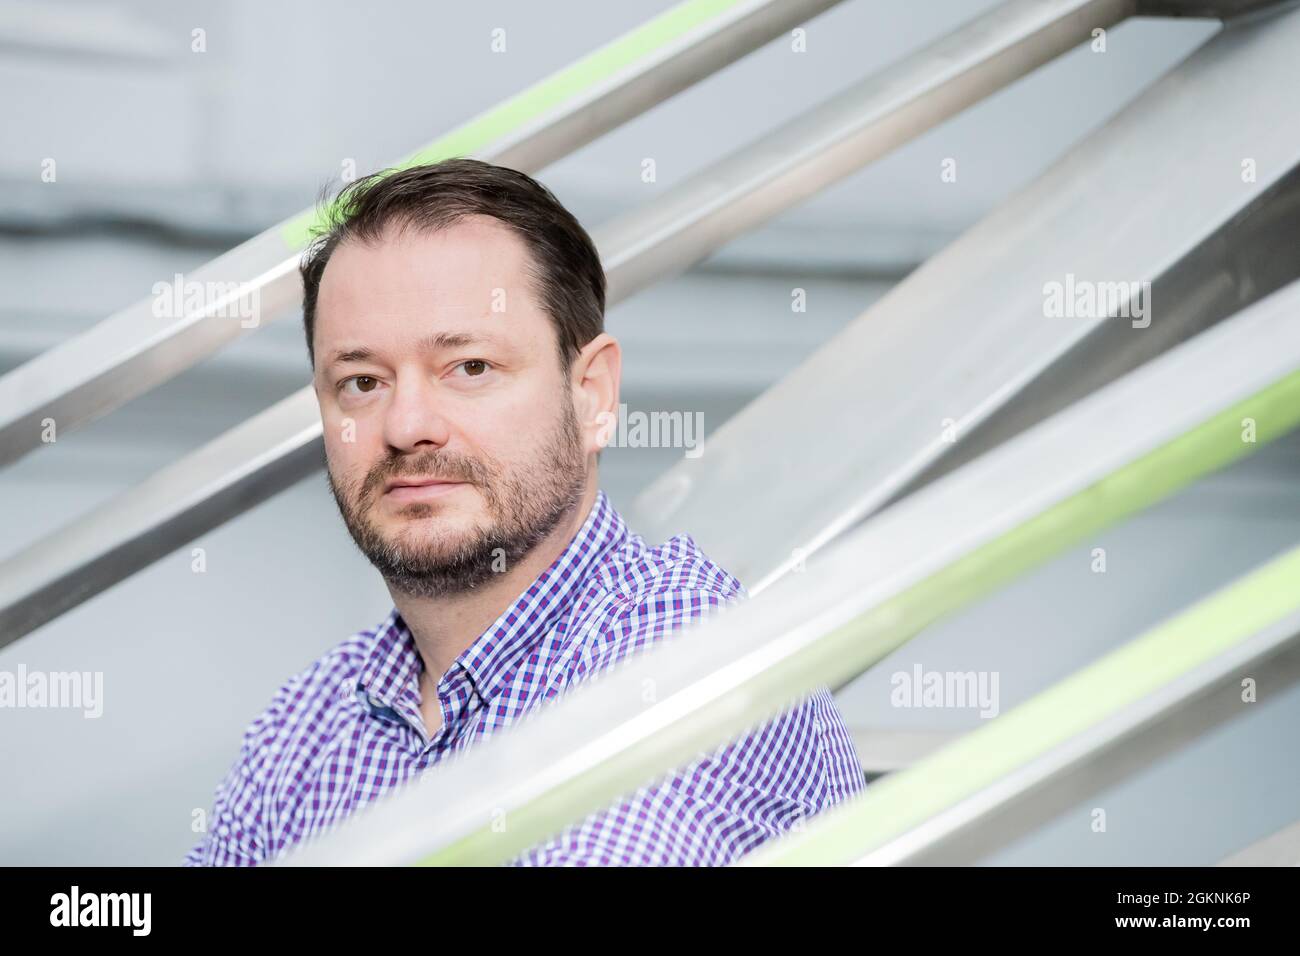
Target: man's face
<point>433,361</point>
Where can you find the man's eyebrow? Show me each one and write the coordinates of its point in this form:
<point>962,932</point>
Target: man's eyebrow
<point>351,355</point>
<point>439,341</point>
<point>454,340</point>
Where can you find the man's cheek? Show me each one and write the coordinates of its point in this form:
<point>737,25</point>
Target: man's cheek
<point>351,478</point>
<point>516,444</point>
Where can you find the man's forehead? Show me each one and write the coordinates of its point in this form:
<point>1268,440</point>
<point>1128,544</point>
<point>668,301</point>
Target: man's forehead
<point>471,241</point>
<point>442,269</point>
<point>461,275</point>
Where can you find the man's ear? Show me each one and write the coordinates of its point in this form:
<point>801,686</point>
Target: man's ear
<point>594,378</point>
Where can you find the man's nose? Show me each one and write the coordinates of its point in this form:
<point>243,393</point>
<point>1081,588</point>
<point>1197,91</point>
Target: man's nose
<point>414,419</point>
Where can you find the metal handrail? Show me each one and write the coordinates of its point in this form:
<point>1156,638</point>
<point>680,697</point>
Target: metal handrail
<point>1091,730</point>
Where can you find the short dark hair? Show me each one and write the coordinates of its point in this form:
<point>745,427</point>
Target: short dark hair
<point>565,268</point>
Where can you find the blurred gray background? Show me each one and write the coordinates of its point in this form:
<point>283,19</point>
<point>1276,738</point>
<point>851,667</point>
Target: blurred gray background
<point>167,158</point>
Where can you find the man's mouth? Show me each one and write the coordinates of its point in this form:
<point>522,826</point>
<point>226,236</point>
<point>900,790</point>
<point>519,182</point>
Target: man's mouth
<point>419,489</point>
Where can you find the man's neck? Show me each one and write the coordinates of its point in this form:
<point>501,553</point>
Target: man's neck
<point>444,626</point>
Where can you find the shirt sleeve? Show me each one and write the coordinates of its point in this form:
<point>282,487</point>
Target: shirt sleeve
<point>726,802</point>
<point>714,810</point>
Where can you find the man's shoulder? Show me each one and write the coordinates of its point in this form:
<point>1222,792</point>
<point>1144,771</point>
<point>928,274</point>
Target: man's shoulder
<point>321,686</point>
<point>636,572</point>
<point>641,594</point>
<point>277,748</point>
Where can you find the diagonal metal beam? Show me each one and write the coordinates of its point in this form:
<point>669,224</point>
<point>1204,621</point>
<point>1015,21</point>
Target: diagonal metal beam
<point>906,383</point>
<point>149,342</point>
<point>1093,729</point>
<point>1247,258</point>
<point>231,474</point>
<point>1119,451</point>
<point>100,549</point>
<point>860,124</point>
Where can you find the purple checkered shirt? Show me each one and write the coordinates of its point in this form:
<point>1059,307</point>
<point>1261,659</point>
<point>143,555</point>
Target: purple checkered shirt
<point>348,728</point>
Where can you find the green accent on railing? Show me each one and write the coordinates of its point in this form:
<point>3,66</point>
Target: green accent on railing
<point>851,649</point>
<point>1169,651</point>
<point>542,97</point>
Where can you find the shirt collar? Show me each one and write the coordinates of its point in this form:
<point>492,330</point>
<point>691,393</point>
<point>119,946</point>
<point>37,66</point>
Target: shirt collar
<point>392,666</point>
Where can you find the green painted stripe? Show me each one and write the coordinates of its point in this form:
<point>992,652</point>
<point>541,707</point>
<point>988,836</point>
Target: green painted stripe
<point>1171,650</point>
<point>851,649</point>
<point>568,84</point>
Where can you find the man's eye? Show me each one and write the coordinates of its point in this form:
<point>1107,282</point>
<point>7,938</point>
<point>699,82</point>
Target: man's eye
<point>364,383</point>
<point>474,367</point>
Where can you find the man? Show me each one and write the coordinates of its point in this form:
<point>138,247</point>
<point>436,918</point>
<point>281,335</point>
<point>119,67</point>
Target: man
<point>454,317</point>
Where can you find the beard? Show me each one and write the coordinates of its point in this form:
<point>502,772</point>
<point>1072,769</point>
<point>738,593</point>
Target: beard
<point>524,505</point>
